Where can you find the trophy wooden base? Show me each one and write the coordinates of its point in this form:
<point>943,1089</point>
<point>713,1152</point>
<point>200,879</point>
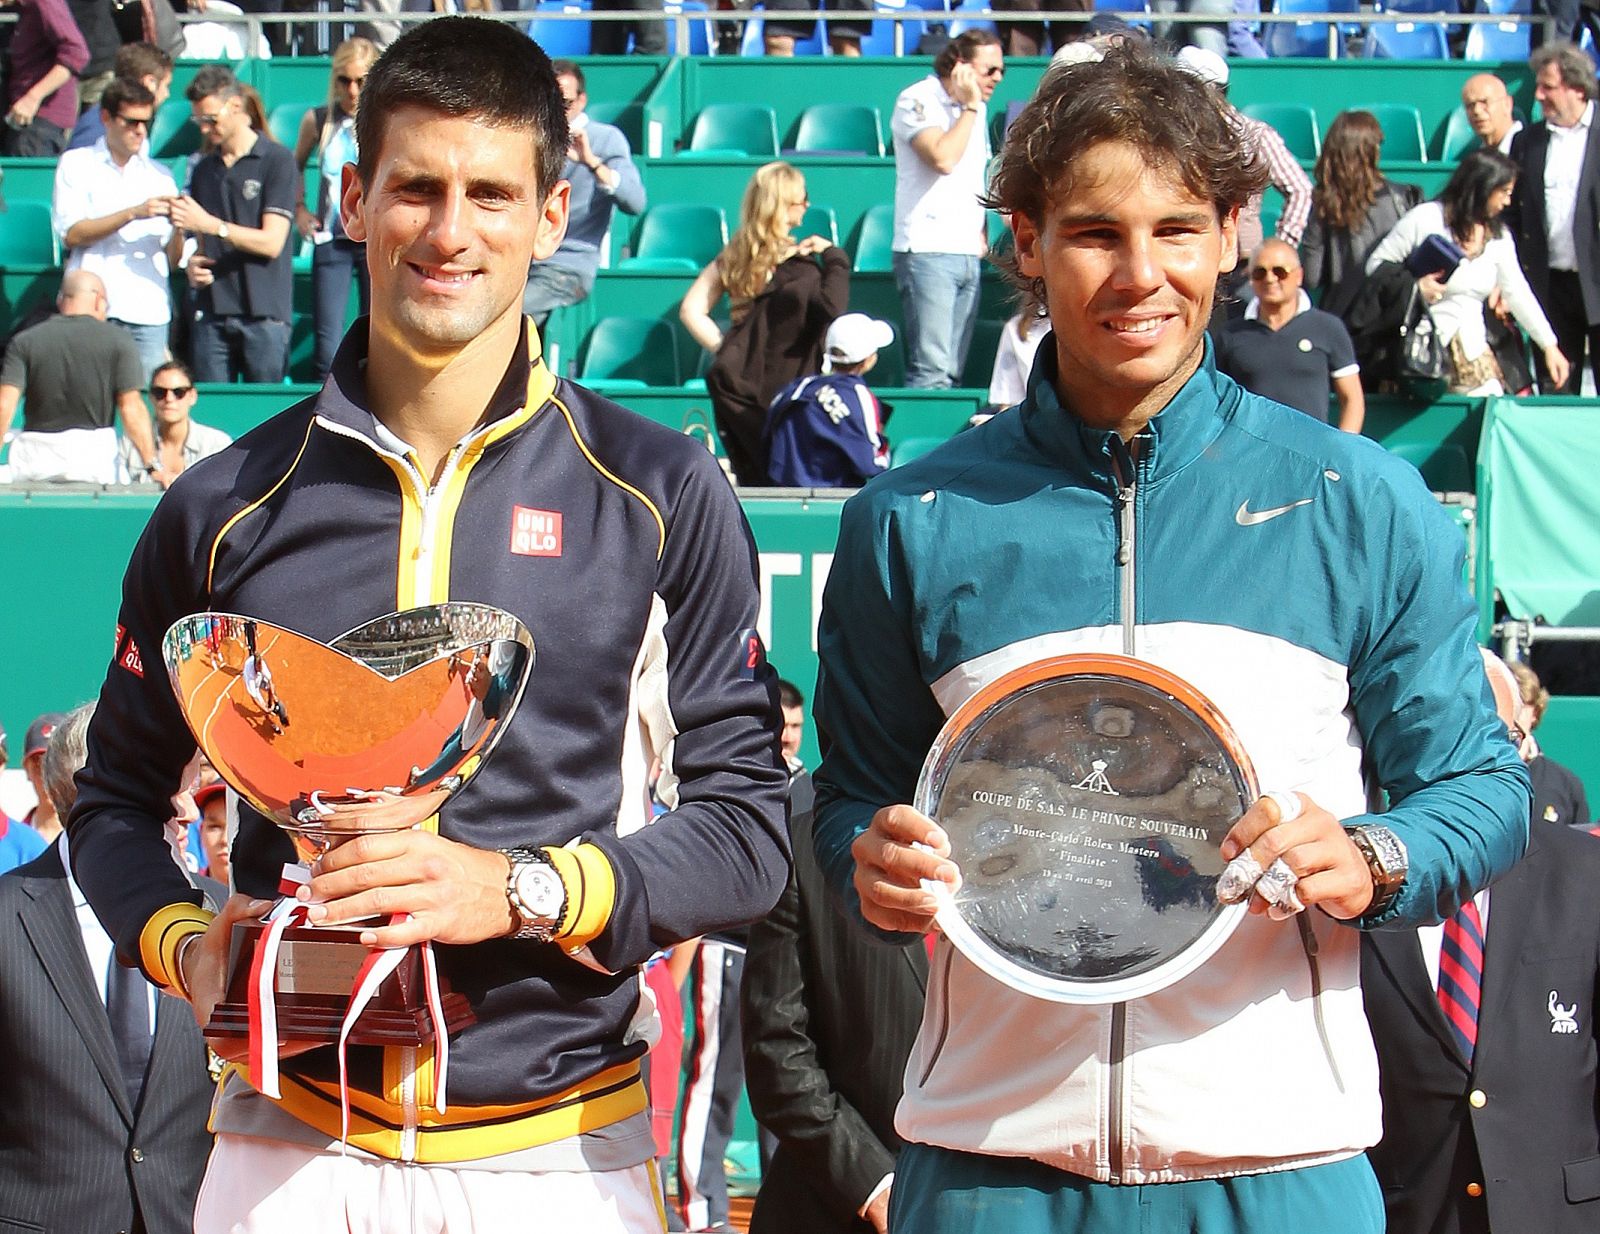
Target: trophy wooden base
<point>317,967</point>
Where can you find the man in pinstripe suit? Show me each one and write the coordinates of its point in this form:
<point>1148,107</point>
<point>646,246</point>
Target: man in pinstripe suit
<point>95,1137</point>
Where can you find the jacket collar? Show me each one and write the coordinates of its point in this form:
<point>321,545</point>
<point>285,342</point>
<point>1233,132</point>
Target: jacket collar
<point>342,401</point>
<point>1175,436</point>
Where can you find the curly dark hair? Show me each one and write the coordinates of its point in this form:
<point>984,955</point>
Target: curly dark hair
<point>1347,177</point>
<point>1135,95</point>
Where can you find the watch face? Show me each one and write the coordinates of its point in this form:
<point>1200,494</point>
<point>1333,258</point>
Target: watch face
<point>540,890</point>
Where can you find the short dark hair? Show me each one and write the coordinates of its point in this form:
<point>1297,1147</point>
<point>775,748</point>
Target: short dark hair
<point>467,66</point>
<point>213,81</point>
<point>1136,96</point>
<point>961,49</point>
<point>173,366</point>
<point>789,694</point>
<point>569,68</point>
<point>1577,70</point>
<point>125,92</point>
<point>137,61</point>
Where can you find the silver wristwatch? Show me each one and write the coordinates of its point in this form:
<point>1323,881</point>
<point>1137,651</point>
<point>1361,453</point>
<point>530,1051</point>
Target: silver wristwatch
<point>1386,859</point>
<point>536,893</point>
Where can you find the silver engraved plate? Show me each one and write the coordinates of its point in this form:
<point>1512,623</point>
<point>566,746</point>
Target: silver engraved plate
<point>1086,798</point>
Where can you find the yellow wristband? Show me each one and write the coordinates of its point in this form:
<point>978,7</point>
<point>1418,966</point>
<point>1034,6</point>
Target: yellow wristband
<point>162,937</point>
<point>591,886</point>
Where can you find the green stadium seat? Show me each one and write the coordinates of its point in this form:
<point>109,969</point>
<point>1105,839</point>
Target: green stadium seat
<point>678,236</point>
<point>840,128</point>
<point>629,117</point>
<point>874,251</point>
<point>819,221</point>
<point>26,237</point>
<point>1296,123</point>
<point>174,131</point>
<point>1458,136</point>
<point>283,122</point>
<point>1443,464</point>
<point>913,448</point>
<point>735,128</point>
<point>636,349</point>
<point>1402,131</point>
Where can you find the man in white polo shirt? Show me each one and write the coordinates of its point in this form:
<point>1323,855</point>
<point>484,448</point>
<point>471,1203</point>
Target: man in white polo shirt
<point>110,210</point>
<point>941,150</point>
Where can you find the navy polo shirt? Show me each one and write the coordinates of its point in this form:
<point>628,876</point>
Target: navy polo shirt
<point>261,182</point>
<point>1295,365</point>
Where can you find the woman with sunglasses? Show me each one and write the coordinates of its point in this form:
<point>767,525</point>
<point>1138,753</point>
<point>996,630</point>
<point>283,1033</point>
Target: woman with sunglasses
<point>180,441</point>
<point>329,131</point>
<point>1466,218</point>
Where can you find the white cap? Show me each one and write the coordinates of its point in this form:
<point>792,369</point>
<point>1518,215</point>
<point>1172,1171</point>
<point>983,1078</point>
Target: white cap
<point>1204,64</point>
<point>855,336</point>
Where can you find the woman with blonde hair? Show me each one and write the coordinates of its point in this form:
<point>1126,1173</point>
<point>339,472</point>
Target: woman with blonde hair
<point>781,302</point>
<point>329,131</point>
<point>1353,207</point>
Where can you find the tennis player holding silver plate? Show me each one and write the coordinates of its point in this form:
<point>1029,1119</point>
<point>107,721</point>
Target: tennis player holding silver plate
<point>1086,798</point>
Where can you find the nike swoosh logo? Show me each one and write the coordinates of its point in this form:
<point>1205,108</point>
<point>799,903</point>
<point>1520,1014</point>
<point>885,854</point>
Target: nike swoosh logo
<point>1246,517</point>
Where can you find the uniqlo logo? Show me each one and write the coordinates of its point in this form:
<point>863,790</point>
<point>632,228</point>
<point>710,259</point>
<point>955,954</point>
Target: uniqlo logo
<point>535,533</point>
<point>130,659</point>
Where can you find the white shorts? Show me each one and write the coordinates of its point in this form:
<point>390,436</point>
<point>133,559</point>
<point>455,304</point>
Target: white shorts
<point>83,455</point>
<point>257,1186</point>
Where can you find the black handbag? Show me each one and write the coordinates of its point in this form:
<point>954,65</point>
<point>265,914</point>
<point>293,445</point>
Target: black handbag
<point>1421,358</point>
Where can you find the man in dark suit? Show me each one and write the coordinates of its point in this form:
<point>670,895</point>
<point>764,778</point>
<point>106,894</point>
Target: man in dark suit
<point>1555,211</point>
<point>829,1017</point>
<point>1492,1117</point>
<point>101,1131</point>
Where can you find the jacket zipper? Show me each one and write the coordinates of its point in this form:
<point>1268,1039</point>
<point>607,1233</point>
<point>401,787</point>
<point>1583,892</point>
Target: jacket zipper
<point>1124,460</point>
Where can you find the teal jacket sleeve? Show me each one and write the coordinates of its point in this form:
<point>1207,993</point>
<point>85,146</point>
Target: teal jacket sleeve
<point>876,716</point>
<point>1459,793</point>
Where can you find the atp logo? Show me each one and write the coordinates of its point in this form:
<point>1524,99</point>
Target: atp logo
<point>1563,1020</point>
<point>535,533</point>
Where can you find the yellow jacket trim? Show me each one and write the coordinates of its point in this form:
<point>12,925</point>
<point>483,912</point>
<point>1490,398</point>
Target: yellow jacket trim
<point>591,886</point>
<point>661,525</point>
<point>211,563</point>
<point>161,937</point>
<point>468,1133</point>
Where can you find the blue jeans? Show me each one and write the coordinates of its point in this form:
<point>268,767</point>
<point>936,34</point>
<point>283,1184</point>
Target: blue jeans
<point>333,265</point>
<point>549,288</point>
<point>248,348</point>
<point>151,342</point>
<point>939,303</point>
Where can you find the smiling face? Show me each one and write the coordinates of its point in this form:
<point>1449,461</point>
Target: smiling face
<point>1130,262</point>
<point>1275,275</point>
<point>452,219</point>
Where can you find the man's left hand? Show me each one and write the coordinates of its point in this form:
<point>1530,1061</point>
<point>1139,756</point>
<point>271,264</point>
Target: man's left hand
<point>454,893</point>
<point>580,151</point>
<point>1332,873</point>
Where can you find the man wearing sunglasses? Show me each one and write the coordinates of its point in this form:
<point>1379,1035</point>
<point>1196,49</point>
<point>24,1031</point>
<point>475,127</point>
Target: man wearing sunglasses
<point>111,209</point>
<point>181,441</point>
<point>240,209</point>
<point>1284,349</point>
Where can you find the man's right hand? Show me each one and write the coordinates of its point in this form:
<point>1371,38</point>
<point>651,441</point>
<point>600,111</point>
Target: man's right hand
<point>890,868</point>
<point>199,271</point>
<point>964,85</point>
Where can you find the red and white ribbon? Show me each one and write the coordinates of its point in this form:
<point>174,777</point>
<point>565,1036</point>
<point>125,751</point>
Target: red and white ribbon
<point>262,1006</point>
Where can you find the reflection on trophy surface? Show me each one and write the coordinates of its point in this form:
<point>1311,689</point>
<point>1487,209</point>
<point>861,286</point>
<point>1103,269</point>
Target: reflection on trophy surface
<point>1085,799</point>
<point>371,733</point>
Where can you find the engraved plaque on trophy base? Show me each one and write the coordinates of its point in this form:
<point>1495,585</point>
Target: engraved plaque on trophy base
<point>1086,798</point>
<point>315,976</point>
